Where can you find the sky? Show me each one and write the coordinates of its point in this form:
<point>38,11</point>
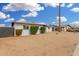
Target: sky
<point>42,13</point>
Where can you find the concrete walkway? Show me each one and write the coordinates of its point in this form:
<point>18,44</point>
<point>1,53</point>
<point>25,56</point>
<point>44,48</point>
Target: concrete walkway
<point>76,52</point>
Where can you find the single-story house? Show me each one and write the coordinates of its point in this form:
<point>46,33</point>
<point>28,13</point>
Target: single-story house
<point>56,28</point>
<point>25,26</point>
<point>72,29</point>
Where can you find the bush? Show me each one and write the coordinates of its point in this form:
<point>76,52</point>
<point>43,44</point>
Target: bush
<point>42,29</point>
<point>18,32</point>
<point>33,29</point>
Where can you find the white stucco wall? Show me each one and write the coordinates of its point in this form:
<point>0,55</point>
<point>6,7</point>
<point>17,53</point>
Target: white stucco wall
<point>18,26</point>
<point>38,32</point>
<point>25,33</point>
<point>48,29</point>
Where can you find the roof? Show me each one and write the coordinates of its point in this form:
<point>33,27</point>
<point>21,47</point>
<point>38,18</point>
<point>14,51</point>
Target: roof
<point>28,23</point>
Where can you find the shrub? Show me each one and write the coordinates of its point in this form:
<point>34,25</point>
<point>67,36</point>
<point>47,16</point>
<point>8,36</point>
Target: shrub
<point>33,29</point>
<point>18,32</point>
<point>42,29</point>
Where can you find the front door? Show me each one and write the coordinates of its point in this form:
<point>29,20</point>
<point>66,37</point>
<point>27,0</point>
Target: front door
<point>25,31</point>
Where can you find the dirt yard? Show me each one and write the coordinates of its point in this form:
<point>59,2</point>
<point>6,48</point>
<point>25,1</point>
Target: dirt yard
<point>48,44</point>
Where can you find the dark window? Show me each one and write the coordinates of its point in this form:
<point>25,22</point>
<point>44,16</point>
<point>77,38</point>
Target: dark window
<point>26,27</point>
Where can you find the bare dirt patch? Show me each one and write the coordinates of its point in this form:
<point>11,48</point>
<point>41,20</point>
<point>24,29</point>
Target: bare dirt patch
<point>50,44</point>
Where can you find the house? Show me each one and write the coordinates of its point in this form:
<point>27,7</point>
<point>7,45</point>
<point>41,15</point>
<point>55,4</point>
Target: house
<point>56,28</point>
<point>25,27</point>
<point>72,29</point>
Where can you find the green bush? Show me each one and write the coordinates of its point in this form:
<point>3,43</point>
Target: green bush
<point>18,32</point>
<point>33,29</point>
<point>42,29</point>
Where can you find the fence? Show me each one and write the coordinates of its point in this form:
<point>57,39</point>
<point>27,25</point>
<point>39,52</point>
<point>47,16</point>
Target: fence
<point>6,31</point>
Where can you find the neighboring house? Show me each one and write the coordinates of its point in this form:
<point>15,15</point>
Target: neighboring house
<point>25,26</point>
<point>72,29</point>
<point>64,29</point>
<point>56,28</point>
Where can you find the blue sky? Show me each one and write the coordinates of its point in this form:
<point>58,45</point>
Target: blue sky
<point>38,12</point>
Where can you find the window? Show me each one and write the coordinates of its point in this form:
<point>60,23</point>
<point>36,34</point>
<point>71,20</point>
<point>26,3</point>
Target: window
<point>26,27</point>
<point>48,27</point>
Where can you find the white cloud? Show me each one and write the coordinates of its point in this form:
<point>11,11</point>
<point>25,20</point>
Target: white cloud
<point>42,23</point>
<point>32,7</point>
<point>23,6</point>
<point>2,25</point>
<point>70,5</point>
<point>2,15</point>
<point>76,9</point>
<point>63,5</point>
<point>75,23</point>
<point>31,14</point>
<point>9,20</point>
<point>8,16</point>
<point>51,4</point>
<point>62,18</point>
<point>53,23</point>
<point>21,20</point>
<point>54,4</point>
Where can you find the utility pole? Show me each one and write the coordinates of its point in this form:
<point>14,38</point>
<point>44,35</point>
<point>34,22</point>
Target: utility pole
<point>59,15</point>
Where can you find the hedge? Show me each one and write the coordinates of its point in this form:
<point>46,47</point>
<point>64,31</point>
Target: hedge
<point>42,29</point>
<point>33,29</point>
<point>18,32</point>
